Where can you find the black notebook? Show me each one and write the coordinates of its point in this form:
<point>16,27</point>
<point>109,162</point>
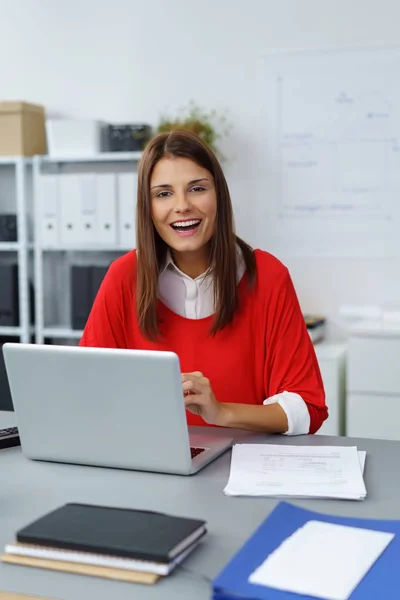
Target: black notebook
<point>128,533</point>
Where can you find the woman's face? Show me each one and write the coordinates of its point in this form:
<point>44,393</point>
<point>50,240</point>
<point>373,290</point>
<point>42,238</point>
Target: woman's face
<point>183,204</point>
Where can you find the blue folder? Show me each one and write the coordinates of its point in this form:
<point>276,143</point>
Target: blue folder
<point>382,581</point>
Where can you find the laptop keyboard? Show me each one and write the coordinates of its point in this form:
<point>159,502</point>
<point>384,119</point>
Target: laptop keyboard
<point>9,437</point>
<point>10,431</point>
<point>196,451</point>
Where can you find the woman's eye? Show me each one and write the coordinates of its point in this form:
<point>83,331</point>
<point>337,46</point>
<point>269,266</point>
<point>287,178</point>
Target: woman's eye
<point>164,194</point>
<point>197,188</point>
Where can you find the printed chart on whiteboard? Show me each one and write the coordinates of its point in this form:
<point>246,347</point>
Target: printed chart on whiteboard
<point>333,127</point>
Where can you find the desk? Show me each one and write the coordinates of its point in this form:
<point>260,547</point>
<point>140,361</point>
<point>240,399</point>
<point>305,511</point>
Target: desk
<point>29,489</point>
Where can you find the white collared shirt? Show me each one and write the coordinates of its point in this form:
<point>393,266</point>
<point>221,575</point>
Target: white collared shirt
<point>194,299</point>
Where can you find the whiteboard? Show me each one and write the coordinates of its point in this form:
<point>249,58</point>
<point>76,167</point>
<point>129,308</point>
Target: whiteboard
<point>333,161</point>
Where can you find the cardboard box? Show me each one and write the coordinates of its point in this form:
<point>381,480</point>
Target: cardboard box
<point>22,129</point>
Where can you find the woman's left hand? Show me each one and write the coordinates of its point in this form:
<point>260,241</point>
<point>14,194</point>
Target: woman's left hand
<point>200,399</point>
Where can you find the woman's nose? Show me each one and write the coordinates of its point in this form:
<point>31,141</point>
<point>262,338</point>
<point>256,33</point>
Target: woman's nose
<point>182,203</point>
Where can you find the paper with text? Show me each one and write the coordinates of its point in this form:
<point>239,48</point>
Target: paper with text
<point>298,471</point>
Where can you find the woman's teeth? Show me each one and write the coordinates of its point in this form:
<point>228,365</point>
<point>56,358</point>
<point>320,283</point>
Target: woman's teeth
<point>185,225</point>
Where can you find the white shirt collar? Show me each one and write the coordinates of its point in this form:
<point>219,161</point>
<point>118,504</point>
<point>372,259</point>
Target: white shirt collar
<point>169,264</point>
<point>190,298</point>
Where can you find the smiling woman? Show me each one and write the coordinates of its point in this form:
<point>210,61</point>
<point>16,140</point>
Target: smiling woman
<point>184,211</point>
<point>180,179</point>
<point>195,288</point>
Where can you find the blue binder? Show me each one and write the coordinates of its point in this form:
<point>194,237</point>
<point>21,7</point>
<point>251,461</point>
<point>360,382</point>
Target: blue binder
<point>382,581</point>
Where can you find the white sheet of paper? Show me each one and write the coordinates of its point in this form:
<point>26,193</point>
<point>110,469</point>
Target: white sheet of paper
<point>323,560</point>
<point>296,471</point>
<point>362,456</point>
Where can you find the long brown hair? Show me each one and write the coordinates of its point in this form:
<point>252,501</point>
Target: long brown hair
<point>152,249</point>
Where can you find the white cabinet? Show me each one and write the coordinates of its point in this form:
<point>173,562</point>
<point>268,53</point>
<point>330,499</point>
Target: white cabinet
<point>373,381</point>
<point>85,215</point>
<point>331,361</point>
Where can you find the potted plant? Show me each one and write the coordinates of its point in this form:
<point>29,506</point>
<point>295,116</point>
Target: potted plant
<point>209,126</point>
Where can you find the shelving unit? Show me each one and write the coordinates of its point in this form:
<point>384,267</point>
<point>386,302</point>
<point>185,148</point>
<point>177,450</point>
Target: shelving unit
<point>52,261</point>
<point>9,246</point>
<point>62,333</point>
<point>12,332</point>
<point>16,197</point>
<point>103,157</point>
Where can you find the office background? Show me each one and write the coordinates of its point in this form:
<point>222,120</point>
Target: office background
<point>132,61</point>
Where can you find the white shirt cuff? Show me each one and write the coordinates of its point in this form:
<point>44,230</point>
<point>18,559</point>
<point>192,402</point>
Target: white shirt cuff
<point>296,412</point>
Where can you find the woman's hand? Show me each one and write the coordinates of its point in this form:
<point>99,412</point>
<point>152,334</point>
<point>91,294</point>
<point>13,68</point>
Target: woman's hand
<point>200,399</point>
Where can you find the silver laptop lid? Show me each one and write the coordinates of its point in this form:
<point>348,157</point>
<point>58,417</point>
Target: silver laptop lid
<point>106,407</point>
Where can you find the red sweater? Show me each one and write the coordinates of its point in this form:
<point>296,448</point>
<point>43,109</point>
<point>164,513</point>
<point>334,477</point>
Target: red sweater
<point>264,351</point>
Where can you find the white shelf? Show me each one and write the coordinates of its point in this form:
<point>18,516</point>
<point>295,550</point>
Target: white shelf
<point>12,160</point>
<point>14,246</point>
<point>10,331</point>
<point>62,333</point>
<point>96,248</point>
<point>95,158</point>
<point>9,246</point>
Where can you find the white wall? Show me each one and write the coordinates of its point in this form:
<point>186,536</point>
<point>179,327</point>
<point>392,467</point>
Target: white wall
<point>133,59</point>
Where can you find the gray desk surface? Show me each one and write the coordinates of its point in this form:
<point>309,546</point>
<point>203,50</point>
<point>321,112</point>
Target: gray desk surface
<point>30,489</point>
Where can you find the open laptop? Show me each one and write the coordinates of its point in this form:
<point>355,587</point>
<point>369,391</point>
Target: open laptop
<point>106,407</point>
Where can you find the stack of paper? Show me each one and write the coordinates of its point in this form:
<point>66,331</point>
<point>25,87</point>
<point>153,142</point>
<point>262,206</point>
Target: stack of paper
<point>297,471</point>
<point>87,563</point>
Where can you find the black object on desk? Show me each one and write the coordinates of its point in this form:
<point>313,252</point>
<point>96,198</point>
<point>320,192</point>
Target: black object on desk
<point>9,438</point>
<point>122,532</point>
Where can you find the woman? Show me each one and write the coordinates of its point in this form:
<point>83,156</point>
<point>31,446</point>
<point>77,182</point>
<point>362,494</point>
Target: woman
<point>193,287</point>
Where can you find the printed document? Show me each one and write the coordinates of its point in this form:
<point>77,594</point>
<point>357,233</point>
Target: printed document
<point>296,471</point>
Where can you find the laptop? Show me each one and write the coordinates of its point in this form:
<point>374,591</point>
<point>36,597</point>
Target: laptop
<point>106,407</point>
